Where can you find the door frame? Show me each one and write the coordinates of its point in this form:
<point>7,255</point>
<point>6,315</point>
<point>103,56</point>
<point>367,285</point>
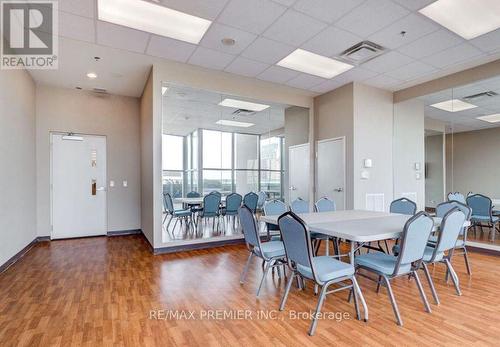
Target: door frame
<point>341,138</point>
<point>288,169</point>
<point>51,184</point>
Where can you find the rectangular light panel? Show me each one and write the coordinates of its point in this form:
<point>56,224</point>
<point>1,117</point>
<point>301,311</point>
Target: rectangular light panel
<point>454,105</point>
<point>152,18</point>
<point>492,118</point>
<point>246,105</point>
<point>314,64</point>
<point>233,123</point>
<point>467,18</point>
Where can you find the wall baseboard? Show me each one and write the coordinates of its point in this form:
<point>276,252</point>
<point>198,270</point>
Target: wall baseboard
<point>18,255</point>
<point>483,250</point>
<point>197,246</point>
<point>124,232</point>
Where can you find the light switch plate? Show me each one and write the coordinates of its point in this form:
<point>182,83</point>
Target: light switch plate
<point>111,183</point>
<point>367,163</point>
<point>365,175</point>
<point>125,184</point>
<point>418,175</point>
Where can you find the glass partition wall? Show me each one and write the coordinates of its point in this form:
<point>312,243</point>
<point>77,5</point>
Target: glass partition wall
<point>214,142</point>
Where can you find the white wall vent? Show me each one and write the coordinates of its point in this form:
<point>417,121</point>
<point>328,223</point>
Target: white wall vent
<point>375,202</point>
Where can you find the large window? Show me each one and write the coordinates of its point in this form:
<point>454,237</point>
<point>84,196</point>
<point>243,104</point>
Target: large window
<point>173,165</point>
<point>271,174</point>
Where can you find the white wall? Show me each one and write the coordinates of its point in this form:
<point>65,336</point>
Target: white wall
<point>409,148</point>
<point>17,170</point>
<point>116,117</point>
<point>434,161</point>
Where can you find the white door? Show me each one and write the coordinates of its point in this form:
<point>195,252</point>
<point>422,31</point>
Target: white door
<point>78,182</point>
<point>330,166</point>
<point>298,172</point>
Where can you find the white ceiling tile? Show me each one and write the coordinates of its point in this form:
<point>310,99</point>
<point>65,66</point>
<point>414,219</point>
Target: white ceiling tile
<point>246,67</point>
<point>267,51</point>
<point>453,55</point>
<point>253,16</point>
<point>489,42</point>
<point>294,28</point>
<point>327,86</point>
<point>355,75</point>
<point>414,26</point>
<point>387,62</point>
<point>84,8</point>
<point>326,10</point>
<point>213,38</point>
<point>412,70</point>
<point>208,9</point>
<point>167,48</point>
<point>371,16</point>
<point>287,3</point>
<point>331,41</point>
<point>305,81</point>
<point>121,37</point>
<point>277,74</point>
<point>382,81</point>
<point>211,59</point>
<point>76,27</point>
<point>430,44</point>
<point>414,4</point>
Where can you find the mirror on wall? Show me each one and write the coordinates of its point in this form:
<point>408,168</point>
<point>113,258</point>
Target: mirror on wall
<point>225,145</point>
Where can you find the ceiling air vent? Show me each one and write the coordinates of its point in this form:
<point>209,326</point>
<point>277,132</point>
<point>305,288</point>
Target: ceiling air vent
<point>362,52</point>
<point>480,96</point>
<point>243,112</point>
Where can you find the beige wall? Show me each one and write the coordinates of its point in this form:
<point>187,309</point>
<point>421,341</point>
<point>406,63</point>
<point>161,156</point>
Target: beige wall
<point>117,118</point>
<point>434,160</point>
<point>472,162</point>
<point>409,148</point>
<point>17,173</point>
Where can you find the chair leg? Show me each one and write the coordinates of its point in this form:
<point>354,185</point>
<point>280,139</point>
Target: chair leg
<point>467,263</point>
<point>266,270</point>
<point>245,269</point>
<point>361,297</point>
<point>314,322</point>
<point>356,305</point>
<point>393,300</point>
<point>327,245</point>
<point>454,276</point>
<point>175,224</point>
<point>378,283</point>
<point>431,283</point>
<point>422,293</point>
<point>287,290</point>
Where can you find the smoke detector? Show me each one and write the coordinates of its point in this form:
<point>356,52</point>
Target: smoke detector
<point>362,52</point>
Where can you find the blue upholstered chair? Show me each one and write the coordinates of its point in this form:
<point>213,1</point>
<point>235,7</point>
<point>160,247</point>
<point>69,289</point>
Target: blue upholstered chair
<point>482,213</point>
<point>441,210</point>
<point>193,194</point>
<point>451,227</point>
<point>274,208</point>
<point>272,252</point>
<point>322,271</point>
<point>233,203</point>
<point>261,200</point>
<point>403,206</point>
<point>325,205</point>
<point>211,208</point>
<point>168,207</point>
<point>250,201</point>
<point>299,206</point>
<point>416,233</point>
<point>459,197</point>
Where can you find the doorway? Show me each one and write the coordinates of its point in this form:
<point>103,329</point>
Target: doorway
<point>298,172</point>
<point>330,165</point>
<point>78,185</point>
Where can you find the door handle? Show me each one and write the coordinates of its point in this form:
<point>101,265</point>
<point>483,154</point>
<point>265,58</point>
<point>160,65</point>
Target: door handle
<point>340,189</point>
<point>292,188</point>
<point>101,189</point>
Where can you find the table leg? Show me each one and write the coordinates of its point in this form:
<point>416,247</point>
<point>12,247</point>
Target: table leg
<point>351,253</point>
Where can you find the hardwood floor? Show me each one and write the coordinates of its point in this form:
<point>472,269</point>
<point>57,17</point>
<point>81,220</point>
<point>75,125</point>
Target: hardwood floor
<point>101,291</point>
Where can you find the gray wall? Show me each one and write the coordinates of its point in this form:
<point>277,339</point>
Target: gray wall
<point>17,172</point>
<point>434,182</point>
<point>117,118</point>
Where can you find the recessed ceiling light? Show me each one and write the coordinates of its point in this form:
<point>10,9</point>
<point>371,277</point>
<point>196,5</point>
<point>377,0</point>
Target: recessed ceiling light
<point>92,75</point>
<point>467,18</point>
<point>492,118</point>
<point>233,123</point>
<point>163,90</point>
<point>454,105</point>
<point>153,18</point>
<point>227,41</point>
<point>314,64</point>
<point>252,106</point>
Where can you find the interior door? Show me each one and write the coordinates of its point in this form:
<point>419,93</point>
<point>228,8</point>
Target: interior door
<point>298,172</point>
<point>331,171</point>
<point>78,185</point>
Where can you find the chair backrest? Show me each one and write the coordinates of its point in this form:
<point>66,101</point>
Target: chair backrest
<point>249,226</point>
<point>296,240</point>
<point>261,200</point>
<point>480,204</point>
<point>275,208</point>
<point>168,204</point>
<point>193,194</point>
<point>403,206</point>
<point>443,208</point>
<point>250,201</point>
<point>325,205</point>
<point>233,202</point>
<point>216,192</point>
<point>451,226</point>
<point>211,203</point>
<point>299,206</point>
<point>416,233</point>
<point>457,196</point>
